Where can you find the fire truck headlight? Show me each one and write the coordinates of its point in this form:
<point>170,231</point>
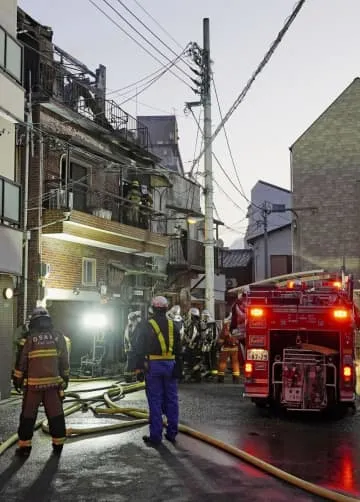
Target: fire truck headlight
<point>95,320</point>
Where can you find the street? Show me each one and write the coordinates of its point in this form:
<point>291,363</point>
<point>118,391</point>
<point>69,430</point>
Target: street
<point>118,467</point>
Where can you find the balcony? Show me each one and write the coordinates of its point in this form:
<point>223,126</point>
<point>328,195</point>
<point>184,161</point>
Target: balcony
<point>70,89</point>
<point>188,254</point>
<point>97,219</point>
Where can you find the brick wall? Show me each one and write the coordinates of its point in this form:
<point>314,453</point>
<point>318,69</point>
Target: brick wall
<point>6,336</point>
<point>65,259</point>
<point>326,174</point>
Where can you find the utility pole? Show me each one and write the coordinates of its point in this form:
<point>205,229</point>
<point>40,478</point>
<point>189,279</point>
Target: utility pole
<point>201,58</point>
<point>209,190</point>
<point>26,200</point>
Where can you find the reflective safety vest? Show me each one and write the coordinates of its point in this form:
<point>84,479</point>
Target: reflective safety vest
<point>166,353</point>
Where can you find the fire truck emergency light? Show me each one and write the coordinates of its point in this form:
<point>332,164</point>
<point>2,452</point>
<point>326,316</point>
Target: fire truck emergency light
<point>337,284</point>
<point>249,368</point>
<point>256,312</point>
<point>341,314</point>
<point>347,371</point>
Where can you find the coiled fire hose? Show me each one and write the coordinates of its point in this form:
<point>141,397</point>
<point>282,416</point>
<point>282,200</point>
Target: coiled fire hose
<point>141,417</point>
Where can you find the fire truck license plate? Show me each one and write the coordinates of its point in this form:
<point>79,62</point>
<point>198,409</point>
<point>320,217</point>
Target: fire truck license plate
<point>257,355</point>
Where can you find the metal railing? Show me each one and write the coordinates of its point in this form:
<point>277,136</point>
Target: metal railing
<point>80,95</point>
<point>100,203</point>
<point>10,203</point>
<point>185,252</point>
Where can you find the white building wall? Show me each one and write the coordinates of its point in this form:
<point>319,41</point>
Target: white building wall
<point>8,13</point>
<point>279,243</point>
<point>270,194</point>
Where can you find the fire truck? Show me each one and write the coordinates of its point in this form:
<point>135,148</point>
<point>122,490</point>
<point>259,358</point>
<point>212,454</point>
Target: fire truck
<point>300,343</point>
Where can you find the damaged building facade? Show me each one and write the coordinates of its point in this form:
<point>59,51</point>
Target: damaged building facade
<point>85,254</point>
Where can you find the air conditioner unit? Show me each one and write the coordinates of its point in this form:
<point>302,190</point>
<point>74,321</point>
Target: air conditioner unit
<point>231,283</point>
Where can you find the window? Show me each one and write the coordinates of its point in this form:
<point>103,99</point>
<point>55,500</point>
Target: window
<point>89,272</point>
<point>2,47</point>
<point>13,58</point>
<point>11,55</point>
<point>9,202</point>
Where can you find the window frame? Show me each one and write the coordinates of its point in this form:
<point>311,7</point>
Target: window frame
<point>19,79</point>
<point>83,273</point>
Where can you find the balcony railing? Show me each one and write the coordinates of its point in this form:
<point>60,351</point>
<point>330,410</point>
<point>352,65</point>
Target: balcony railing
<point>187,253</point>
<point>76,92</point>
<point>10,200</point>
<point>101,203</point>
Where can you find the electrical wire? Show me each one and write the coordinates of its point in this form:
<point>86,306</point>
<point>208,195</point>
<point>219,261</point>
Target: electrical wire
<point>157,23</point>
<point>135,40</point>
<point>228,142</point>
<point>151,31</point>
<point>257,72</point>
<point>153,81</point>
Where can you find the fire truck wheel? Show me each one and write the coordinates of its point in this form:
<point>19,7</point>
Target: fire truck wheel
<point>261,403</point>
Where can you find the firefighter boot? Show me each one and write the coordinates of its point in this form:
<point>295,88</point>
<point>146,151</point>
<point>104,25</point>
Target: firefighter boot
<point>23,451</point>
<point>221,378</point>
<point>236,379</point>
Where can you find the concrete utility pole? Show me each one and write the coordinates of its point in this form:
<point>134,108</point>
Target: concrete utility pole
<point>201,58</point>
<point>209,190</point>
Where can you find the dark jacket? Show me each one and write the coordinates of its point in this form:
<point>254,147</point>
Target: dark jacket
<point>44,360</point>
<point>147,342</point>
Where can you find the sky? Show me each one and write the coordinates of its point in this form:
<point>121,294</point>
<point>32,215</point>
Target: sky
<point>317,59</point>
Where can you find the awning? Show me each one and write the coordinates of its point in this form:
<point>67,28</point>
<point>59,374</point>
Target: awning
<point>137,271</point>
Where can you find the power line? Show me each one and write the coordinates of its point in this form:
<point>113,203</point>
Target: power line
<point>258,70</point>
<point>153,81</point>
<point>151,31</point>
<point>157,23</point>
<point>135,40</point>
<point>135,84</point>
<point>227,141</point>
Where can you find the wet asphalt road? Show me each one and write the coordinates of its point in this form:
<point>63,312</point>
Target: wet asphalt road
<point>119,467</point>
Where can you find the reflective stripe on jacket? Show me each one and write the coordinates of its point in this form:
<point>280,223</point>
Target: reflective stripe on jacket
<point>44,360</point>
<point>167,353</point>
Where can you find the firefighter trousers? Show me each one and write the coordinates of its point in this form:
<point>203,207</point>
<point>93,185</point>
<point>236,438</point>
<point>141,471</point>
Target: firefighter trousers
<point>162,396</point>
<point>54,412</point>
<point>224,355</point>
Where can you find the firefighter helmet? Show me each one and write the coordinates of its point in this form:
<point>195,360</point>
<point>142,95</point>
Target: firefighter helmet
<point>159,302</point>
<point>194,312</point>
<point>39,312</point>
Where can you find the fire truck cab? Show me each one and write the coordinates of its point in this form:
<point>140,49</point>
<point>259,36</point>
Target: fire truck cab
<point>300,344</point>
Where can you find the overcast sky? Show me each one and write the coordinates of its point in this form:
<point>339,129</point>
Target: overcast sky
<point>317,59</point>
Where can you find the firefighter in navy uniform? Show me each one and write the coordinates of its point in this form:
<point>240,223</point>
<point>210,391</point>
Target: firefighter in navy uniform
<point>43,370</point>
<point>158,350</point>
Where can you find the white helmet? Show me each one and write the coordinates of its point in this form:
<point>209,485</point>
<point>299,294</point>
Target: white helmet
<point>159,302</point>
<point>194,312</point>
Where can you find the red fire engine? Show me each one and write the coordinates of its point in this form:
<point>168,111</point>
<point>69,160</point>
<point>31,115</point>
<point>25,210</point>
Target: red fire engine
<point>300,343</point>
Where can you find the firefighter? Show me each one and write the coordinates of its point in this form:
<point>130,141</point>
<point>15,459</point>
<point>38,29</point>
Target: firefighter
<point>237,326</point>
<point>209,337</point>
<point>158,351</point>
<point>146,205</point>
<point>193,346</point>
<point>43,370</point>
<point>134,198</point>
<point>228,348</point>
<point>133,320</point>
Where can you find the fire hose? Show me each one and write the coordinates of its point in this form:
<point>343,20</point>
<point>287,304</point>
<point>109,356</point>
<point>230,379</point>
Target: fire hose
<point>141,417</point>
